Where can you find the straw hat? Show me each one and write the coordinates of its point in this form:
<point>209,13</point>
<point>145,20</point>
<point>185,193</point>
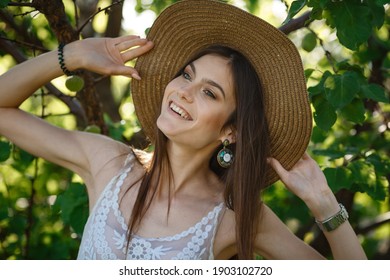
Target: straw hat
<point>188,26</point>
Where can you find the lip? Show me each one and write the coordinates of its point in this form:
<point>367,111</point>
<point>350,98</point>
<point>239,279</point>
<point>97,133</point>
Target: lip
<point>179,111</point>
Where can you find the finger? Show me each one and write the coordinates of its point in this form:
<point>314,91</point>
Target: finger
<point>129,44</point>
<point>279,169</point>
<point>125,71</point>
<point>136,52</point>
<point>121,39</point>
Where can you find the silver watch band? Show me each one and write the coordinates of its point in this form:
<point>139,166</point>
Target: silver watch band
<point>334,221</point>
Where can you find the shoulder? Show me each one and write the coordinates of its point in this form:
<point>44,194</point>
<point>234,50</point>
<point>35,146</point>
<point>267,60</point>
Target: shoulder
<point>110,163</point>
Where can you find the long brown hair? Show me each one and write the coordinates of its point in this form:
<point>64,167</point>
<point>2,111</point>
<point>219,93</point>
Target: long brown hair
<point>245,179</point>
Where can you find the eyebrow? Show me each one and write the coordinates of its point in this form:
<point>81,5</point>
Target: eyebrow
<point>211,82</point>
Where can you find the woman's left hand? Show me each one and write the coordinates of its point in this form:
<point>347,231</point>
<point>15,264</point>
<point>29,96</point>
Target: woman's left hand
<point>308,182</point>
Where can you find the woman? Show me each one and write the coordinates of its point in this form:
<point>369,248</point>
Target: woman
<point>216,82</point>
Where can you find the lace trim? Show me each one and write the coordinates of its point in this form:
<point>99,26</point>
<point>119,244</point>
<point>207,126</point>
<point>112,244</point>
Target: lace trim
<point>193,229</point>
<point>95,244</point>
<point>100,216</point>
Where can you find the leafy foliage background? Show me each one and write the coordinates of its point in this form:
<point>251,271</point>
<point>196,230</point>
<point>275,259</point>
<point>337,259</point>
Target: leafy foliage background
<point>345,50</point>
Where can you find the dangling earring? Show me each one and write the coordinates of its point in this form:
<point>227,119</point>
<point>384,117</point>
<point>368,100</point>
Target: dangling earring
<point>225,156</point>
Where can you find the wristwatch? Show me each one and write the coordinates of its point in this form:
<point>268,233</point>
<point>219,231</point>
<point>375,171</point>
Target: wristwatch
<point>334,221</point>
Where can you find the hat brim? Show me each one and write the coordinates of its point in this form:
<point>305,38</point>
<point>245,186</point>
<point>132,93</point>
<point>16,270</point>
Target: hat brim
<point>186,27</point>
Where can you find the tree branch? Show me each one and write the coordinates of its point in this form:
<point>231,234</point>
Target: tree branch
<point>26,44</point>
<point>295,24</point>
<point>58,20</point>
<point>370,225</point>
<point>24,4</point>
<point>21,31</point>
<point>99,10</point>
<point>73,106</point>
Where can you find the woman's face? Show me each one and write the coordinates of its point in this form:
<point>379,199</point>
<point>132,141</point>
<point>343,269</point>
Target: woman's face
<point>197,104</point>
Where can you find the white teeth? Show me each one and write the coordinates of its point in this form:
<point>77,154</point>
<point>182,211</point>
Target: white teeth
<point>178,110</point>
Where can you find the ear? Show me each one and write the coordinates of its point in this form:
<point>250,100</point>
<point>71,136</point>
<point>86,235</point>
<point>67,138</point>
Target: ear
<point>229,133</point>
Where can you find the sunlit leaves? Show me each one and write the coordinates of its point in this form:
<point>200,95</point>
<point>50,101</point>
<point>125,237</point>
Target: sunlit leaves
<point>353,20</point>
<point>343,94</point>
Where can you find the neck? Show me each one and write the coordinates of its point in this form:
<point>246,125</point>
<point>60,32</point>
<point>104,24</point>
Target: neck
<point>190,170</point>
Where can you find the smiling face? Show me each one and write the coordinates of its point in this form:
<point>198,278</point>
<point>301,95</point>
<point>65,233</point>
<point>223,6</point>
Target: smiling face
<point>198,103</point>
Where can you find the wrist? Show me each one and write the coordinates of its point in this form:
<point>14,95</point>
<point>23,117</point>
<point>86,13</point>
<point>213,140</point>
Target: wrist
<point>74,82</point>
<point>70,56</point>
<point>323,205</point>
<point>334,221</point>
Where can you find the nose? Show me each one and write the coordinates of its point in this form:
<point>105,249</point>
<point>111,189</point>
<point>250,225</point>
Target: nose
<point>186,93</point>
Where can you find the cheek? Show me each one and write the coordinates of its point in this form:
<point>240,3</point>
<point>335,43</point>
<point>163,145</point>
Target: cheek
<point>167,89</point>
<point>214,122</point>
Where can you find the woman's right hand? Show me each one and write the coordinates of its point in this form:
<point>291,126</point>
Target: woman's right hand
<point>106,56</point>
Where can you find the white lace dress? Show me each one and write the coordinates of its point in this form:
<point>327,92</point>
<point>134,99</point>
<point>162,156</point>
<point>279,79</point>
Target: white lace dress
<point>105,236</point>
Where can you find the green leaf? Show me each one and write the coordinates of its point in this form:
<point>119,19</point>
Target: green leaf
<point>378,13</point>
<point>5,150</point>
<point>382,2</point>
<point>74,197</point>
<point>4,3</point>
<point>352,21</point>
<point>22,158</point>
<point>308,72</point>
<point>316,14</point>
<point>381,166</point>
<point>319,88</point>
<point>78,217</point>
<point>325,115</point>
<point>367,180</point>
<point>355,111</point>
<point>341,89</point>
<point>363,172</point>
<point>318,3</point>
<point>338,178</point>
<point>318,135</point>
<point>3,208</point>
<point>295,8</point>
<point>375,92</point>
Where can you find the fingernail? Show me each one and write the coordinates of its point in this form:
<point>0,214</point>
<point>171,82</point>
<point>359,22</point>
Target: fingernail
<point>136,76</point>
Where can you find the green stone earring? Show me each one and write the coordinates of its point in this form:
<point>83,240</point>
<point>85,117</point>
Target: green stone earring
<point>225,156</point>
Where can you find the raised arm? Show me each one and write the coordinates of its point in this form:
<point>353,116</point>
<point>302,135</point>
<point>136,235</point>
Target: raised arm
<point>307,181</point>
<point>74,150</point>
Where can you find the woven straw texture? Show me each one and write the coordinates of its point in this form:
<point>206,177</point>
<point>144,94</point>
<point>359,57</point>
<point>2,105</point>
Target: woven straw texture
<point>188,26</point>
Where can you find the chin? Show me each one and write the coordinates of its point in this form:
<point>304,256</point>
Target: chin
<point>167,128</point>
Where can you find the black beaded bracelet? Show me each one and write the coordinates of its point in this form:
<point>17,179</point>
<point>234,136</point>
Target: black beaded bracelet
<point>62,61</point>
<point>74,82</point>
